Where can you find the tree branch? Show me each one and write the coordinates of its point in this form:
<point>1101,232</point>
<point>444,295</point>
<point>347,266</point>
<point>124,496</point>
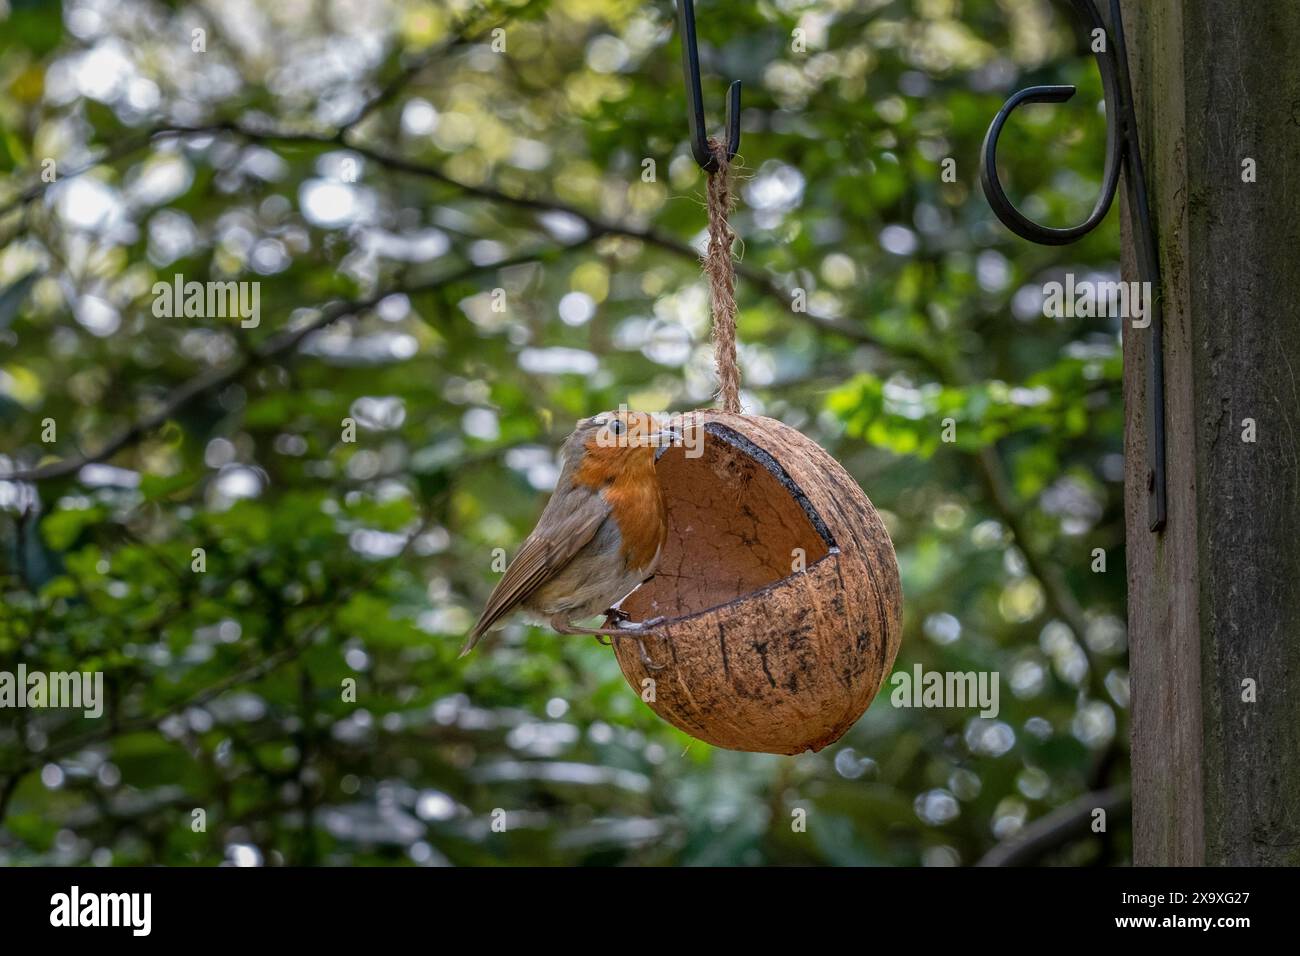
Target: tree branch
<point>1048,572</point>
<point>597,226</point>
<point>1062,826</point>
<point>460,37</point>
<point>282,342</point>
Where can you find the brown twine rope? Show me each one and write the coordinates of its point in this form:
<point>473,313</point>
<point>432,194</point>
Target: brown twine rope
<point>721,271</point>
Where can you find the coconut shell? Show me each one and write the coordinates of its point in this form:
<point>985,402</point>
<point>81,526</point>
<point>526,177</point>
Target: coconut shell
<point>779,588</point>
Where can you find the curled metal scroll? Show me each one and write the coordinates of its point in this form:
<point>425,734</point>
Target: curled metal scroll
<point>1122,152</point>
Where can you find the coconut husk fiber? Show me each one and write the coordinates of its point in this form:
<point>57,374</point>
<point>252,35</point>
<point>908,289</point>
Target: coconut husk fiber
<point>756,654</point>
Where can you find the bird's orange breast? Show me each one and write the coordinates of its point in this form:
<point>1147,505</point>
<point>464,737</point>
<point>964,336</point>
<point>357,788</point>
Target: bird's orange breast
<point>626,478</point>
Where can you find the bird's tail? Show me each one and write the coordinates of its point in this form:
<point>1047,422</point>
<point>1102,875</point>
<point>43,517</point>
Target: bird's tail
<point>474,637</point>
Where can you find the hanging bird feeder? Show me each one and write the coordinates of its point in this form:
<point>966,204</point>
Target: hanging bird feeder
<point>778,588</point>
<point>777,595</point>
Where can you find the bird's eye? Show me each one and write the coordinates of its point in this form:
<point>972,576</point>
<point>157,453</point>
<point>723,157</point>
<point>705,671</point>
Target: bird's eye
<point>616,426</point>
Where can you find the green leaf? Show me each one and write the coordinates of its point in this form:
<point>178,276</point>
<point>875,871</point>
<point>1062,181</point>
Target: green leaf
<point>12,298</point>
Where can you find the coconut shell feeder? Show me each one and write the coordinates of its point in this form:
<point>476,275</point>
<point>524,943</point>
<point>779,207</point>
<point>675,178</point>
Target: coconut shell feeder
<point>774,615</point>
<point>778,586</point>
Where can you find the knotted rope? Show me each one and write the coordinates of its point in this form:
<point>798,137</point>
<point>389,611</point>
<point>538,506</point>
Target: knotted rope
<point>721,270</point>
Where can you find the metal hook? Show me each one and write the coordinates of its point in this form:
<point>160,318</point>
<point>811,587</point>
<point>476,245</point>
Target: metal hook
<point>695,108</point>
<point>1122,151</point>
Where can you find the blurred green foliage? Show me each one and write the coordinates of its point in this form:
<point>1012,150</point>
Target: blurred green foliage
<point>383,154</point>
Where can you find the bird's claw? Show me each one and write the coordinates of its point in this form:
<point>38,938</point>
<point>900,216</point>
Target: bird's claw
<point>640,626</point>
<point>645,657</point>
<point>619,617</point>
<point>623,627</point>
<point>624,623</point>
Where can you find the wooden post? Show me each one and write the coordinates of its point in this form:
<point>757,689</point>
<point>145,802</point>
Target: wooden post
<point>1214,601</point>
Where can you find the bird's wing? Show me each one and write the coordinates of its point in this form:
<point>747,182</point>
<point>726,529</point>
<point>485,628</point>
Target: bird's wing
<point>567,525</point>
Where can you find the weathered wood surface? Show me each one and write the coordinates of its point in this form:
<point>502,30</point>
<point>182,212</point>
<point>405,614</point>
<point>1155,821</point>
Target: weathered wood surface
<point>1215,600</point>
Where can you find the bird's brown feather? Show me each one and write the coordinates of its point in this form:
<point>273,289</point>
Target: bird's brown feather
<point>569,563</point>
<point>626,478</point>
<point>567,525</point>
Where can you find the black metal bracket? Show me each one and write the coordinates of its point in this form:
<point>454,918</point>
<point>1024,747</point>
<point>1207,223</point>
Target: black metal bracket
<point>1122,151</point>
<point>695,108</point>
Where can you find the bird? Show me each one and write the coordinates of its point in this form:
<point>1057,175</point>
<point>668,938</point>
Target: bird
<point>599,537</point>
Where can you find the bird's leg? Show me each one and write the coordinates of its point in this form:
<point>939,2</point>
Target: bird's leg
<point>562,625</point>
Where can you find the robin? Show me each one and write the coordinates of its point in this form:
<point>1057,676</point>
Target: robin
<point>600,535</point>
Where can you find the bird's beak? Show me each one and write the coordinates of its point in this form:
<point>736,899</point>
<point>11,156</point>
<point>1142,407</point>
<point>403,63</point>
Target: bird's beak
<point>663,439</point>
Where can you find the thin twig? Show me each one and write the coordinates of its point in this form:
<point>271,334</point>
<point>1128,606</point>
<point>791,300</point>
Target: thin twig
<point>761,281</point>
<point>282,342</point>
<point>460,37</point>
